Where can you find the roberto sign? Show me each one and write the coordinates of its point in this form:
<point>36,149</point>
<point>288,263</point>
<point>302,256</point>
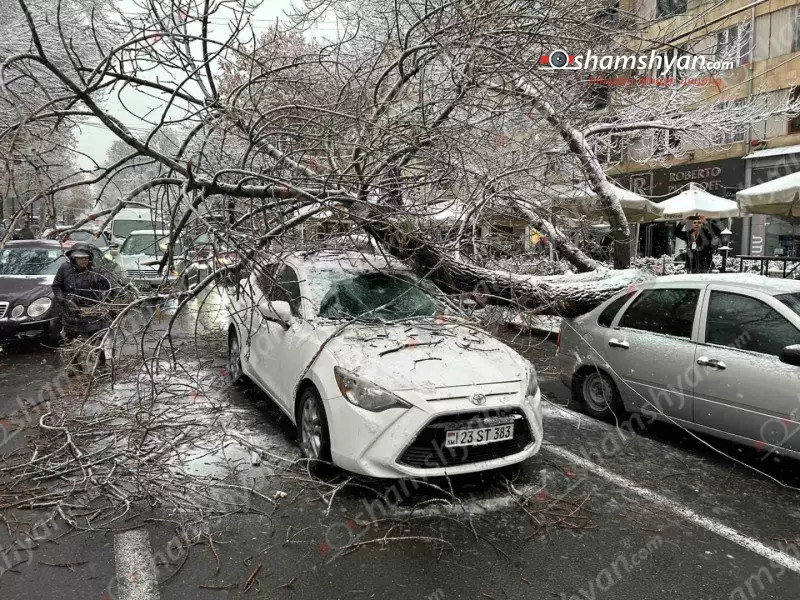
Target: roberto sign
<point>721,177</point>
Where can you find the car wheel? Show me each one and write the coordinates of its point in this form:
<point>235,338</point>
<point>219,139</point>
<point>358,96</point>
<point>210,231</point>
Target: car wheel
<point>235,371</point>
<point>312,427</point>
<point>598,394</point>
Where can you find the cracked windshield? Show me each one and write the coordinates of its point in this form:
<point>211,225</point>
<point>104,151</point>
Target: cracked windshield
<point>426,299</point>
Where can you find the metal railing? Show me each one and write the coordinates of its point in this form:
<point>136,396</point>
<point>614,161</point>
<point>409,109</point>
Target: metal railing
<point>763,267</point>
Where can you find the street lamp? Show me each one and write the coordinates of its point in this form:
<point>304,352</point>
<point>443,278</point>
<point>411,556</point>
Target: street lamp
<point>725,234</point>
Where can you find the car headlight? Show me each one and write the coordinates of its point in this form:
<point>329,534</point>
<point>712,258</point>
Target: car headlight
<point>365,394</point>
<point>17,311</point>
<point>533,383</point>
<point>39,306</point>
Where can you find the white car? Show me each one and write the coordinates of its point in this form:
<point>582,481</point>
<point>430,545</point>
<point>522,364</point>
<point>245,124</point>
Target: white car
<point>139,256</point>
<point>360,356</point>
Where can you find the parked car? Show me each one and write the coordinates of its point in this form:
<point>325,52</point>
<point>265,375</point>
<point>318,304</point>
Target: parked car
<point>204,255</point>
<point>140,254</point>
<point>717,354</point>
<point>78,235</point>
<point>357,353</point>
<point>27,306</point>
<point>128,220</point>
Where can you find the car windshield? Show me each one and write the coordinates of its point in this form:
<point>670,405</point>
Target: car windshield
<point>791,300</point>
<point>151,245</point>
<point>30,261</point>
<point>371,296</point>
<point>124,227</point>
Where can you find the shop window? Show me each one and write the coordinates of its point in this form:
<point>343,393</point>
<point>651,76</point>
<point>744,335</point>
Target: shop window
<point>668,8</point>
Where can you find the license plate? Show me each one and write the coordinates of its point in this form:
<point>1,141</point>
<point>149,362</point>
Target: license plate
<point>479,437</point>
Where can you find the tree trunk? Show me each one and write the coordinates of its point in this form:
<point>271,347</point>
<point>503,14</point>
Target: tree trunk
<point>622,250</point>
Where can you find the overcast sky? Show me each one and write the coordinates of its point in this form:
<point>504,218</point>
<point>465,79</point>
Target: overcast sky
<point>95,140</point>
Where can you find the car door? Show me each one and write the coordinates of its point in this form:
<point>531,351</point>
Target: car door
<point>258,337</point>
<point>650,349</point>
<point>741,387</point>
<point>296,344</point>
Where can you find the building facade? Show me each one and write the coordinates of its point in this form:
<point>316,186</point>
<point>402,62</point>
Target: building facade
<point>766,67</point>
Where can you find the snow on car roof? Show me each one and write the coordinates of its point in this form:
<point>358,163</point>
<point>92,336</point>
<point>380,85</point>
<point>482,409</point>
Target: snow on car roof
<point>347,260</point>
<point>770,285</point>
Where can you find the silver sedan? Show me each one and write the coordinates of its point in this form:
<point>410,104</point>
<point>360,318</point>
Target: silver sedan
<point>718,354</point>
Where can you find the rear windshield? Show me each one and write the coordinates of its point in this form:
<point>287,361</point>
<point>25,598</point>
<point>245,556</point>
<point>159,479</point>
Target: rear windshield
<point>150,245</point>
<point>30,261</point>
<point>791,300</point>
<point>124,227</point>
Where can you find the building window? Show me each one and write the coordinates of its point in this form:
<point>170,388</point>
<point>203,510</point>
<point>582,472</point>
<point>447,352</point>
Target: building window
<point>734,44</point>
<point>796,40</point>
<point>794,123</point>
<point>609,148</point>
<point>667,8</point>
<point>608,17</point>
<point>737,130</point>
<point>599,96</point>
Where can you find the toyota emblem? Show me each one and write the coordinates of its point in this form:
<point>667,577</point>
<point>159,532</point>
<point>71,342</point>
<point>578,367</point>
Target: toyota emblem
<point>478,399</point>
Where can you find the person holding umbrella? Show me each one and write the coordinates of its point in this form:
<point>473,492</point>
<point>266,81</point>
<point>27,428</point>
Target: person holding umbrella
<point>700,243</point>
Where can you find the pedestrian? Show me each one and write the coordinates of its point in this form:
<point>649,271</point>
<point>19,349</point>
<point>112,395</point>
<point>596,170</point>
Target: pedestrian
<point>701,241</point>
<point>80,292</point>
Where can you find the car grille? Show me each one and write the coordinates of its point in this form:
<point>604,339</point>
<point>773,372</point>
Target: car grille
<point>137,274</point>
<point>429,451</point>
<point>3,309</point>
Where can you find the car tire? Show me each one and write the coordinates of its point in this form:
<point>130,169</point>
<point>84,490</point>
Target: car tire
<point>313,435</point>
<point>235,371</point>
<point>598,394</point>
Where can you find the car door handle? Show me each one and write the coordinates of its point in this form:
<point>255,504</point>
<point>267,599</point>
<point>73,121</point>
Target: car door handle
<point>704,361</point>
<point>615,343</point>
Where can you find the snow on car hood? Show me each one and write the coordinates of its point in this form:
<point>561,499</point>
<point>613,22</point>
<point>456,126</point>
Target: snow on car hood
<point>415,356</point>
<point>133,261</point>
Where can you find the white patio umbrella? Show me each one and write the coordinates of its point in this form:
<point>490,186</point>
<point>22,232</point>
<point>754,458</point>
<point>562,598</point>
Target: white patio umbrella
<point>582,200</point>
<point>696,201</point>
<point>780,197</point>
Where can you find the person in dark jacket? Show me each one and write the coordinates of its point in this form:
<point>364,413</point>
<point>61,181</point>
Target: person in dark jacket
<point>80,292</point>
<point>701,241</point>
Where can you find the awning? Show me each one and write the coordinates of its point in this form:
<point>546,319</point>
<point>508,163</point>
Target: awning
<point>696,201</point>
<point>780,197</point>
<point>773,152</point>
<point>581,200</point>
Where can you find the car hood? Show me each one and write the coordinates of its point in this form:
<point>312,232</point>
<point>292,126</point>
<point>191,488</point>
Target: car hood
<point>419,356</point>
<point>133,261</point>
<point>24,289</point>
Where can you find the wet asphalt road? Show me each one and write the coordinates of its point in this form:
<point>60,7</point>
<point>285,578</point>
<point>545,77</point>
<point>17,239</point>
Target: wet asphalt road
<point>629,533</point>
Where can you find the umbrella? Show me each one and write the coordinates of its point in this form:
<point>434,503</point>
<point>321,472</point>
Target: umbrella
<point>780,197</point>
<point>696,201</point>
<point>583,200</point>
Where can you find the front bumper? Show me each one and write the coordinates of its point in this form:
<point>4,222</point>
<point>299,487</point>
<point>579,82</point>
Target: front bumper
<point>402,443</point>
<point>22,329</point>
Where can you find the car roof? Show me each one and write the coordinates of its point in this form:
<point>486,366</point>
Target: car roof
<point>149,232</point>
<point>347,260</point>
<point>55,244</point>
<point>746,281</point>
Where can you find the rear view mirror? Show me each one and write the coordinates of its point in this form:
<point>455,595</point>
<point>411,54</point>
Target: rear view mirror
<point>277,311</point>
<point>791,355</point>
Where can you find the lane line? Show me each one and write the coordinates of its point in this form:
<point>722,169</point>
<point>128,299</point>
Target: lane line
<point>136,570</point>
<point>712,525</point>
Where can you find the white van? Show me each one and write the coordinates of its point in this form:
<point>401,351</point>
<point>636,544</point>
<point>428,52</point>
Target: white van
<point>132,219</point>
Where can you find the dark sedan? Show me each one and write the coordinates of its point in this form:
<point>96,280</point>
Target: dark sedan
<point>27,307</point>
<point>27,270</point>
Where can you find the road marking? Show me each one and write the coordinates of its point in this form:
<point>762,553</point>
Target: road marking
<point>712,525</point>
<point>136,571</point>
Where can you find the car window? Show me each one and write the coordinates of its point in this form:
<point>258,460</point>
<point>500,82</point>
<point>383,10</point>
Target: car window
<point>30,261</point>
<point>746,323</point>
<point>609,312</point>
<point>667,311</point>
<point>791,300</point>
<point>289,289</point>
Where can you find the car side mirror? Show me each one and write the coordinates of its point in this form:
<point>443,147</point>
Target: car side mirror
<point>790,355</point>
<point>278,311</point>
